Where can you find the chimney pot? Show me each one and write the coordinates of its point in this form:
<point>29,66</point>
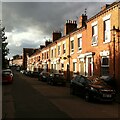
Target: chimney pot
<point>82,20</point>
<point>70,27</point>
<point>56,35</point>
<point>104,7</point>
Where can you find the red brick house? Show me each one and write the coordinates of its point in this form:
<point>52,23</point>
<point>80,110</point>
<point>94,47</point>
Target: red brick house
<point>90,48</point>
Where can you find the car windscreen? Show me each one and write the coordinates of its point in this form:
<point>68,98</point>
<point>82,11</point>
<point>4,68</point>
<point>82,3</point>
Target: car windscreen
<point>59,75</point>
<point>46,74</point>
<point>82,79</point>
<point>6,72</point>
<point>98,82</point>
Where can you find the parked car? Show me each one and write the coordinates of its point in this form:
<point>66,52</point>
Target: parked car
<point>92,88</point>
<point>27,73</point>
<point>18,68</point>
<point>33,74</point>
<point>109,80</point>
<point>22,71</point>
<point>43,76</point>
<point>56,79</point>
<point>7,76</point>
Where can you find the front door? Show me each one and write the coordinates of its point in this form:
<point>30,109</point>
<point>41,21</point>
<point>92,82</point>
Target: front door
<point>81,68</point>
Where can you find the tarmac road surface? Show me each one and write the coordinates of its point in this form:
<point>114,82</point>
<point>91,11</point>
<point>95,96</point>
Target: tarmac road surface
<point>21,100</point>
<point>29,98</point>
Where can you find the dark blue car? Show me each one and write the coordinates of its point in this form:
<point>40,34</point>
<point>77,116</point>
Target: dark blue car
<point>57,79</point>
<point>43,76</point>
<point>92,88</point>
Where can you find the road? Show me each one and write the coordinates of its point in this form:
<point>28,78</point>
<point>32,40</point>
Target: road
<point>29,98</point>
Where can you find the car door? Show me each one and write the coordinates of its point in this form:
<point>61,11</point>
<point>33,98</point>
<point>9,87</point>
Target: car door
<point>78,85</point>
<point>82,85</point>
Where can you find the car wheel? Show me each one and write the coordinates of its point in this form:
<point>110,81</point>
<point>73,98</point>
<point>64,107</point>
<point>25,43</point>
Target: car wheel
<point>48,82</point>
<point>52,83</point>
<point>87,97</point>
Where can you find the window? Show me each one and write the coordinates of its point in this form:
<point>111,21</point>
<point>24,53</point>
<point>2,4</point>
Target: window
<point>94,34</point>
<point>47,54</point>
<point>105,66</point>
<point>52,53</point>
<point>55,52</point>
<point>51,66</point>
<point>72,46</point>
<point>54,66</point>
<point>107,30</point>
<point>62,66</point>
<point>105,62</point>
<point>64,48</point>
<point>79,43</point>
<point>42,56</point>
<point>38,58</point>
<point>59,50</point>
<point>74,66</point>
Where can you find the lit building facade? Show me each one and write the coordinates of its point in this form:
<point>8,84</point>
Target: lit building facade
<point>90,48</point>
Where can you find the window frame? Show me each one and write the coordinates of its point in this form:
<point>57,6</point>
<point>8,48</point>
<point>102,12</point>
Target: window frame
<point>79,43</point>
<point>47,55</point>
<point>102,65</point>
<point>59,50</point>
<point>106,31</point>
<point>64,48</point>
<point>105,68</point>
<point>106,18</point>
<point>72,46</point>
<point>52,53</point>
<point>95,34</point>
<point>55,52</point>
<point>74,66</point>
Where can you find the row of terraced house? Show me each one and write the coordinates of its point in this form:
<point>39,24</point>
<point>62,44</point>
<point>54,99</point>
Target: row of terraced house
<point>89,48</point>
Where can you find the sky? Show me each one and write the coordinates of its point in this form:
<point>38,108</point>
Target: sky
<point>29,24</point>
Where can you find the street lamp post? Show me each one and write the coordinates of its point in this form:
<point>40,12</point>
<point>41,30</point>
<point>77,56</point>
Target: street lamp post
<point>115,31</point>
<point>114,51</point>
<point>68,65</point>
<point>118,33</point>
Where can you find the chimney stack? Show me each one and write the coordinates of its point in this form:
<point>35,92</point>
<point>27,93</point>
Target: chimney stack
<point>47,43</point>
<point>42,46</point>
<point>56,35</point>
<point>70,26</point>
<point>105,7</point>
<point>82,20</point>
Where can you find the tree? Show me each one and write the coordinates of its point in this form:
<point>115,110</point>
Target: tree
<point>3,46</point>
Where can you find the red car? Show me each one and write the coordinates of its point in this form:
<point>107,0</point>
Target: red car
<point>7,76</point>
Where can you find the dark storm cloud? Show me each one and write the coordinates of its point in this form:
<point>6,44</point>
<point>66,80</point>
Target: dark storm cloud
<point>37,20</point>
<point>45,16</point>
<point>29,45</point>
